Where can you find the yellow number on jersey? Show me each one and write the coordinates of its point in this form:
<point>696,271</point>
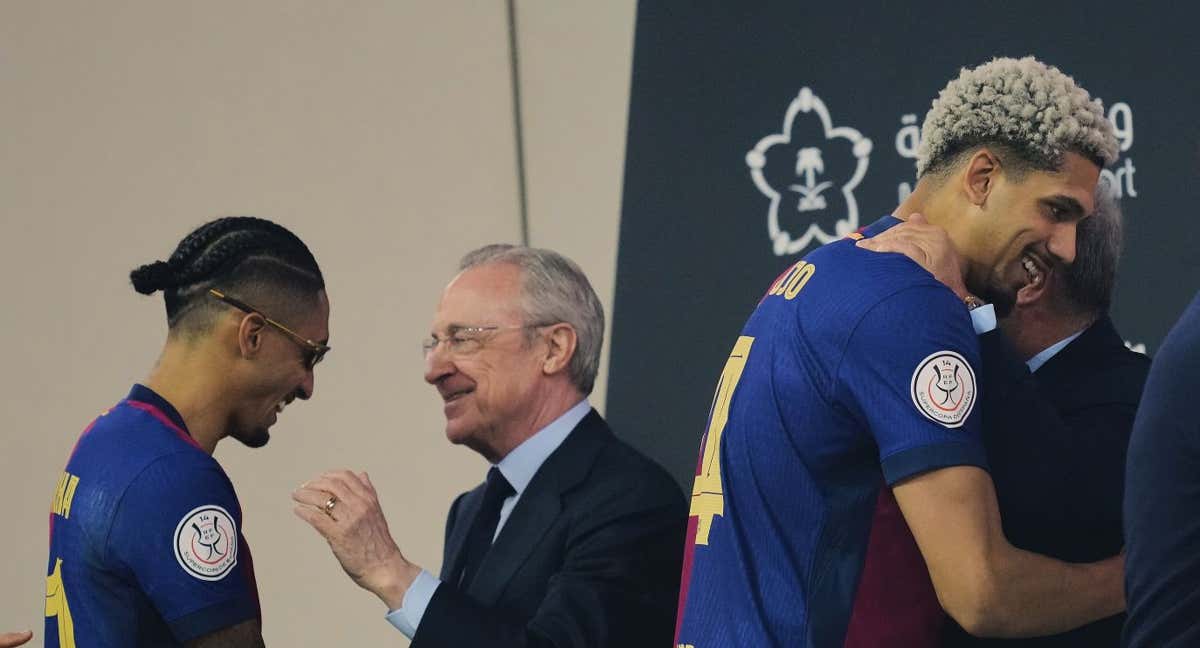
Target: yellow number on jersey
<point>56,606</point>
<point>790,283</point>
<point>708,499</point>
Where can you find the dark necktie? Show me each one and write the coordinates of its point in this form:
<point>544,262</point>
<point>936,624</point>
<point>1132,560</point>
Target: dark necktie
<point>479,539</point>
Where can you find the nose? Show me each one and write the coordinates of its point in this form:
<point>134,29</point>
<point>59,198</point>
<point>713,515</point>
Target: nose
<point>437,365</point>
<point>1062,241</point>
<point>307,387</point>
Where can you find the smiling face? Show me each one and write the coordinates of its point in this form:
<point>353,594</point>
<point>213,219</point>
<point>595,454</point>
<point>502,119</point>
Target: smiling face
<point>1025,226</point>
<point>279,375</point>
<point>485,368</point>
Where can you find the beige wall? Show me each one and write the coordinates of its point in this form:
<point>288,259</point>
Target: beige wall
<point>381,132</point>
<point>575,65</point>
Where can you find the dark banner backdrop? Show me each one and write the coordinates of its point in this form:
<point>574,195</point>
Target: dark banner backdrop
<point>760,130</point>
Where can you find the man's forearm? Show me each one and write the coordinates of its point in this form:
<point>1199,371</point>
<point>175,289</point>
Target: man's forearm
<point>990,587</point>
<point>1033,595</point>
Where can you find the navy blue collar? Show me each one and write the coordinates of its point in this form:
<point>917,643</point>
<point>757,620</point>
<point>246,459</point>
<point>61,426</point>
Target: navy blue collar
<point>144,394</point>
<point>880,226</point>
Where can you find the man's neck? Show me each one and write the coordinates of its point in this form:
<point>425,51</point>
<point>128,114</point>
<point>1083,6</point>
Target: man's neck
<point>186,377</point>
<point>550,407</point>
<point>1032,330</point>
<point>938,205</point>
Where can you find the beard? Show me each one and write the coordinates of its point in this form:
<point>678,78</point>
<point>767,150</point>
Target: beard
<point>255,438</point>
<point>1001,297</point>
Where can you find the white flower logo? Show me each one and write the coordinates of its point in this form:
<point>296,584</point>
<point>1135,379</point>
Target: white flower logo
<point>802,188</point>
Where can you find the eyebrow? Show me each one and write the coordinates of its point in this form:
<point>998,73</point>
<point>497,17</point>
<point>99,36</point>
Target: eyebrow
<point>1067,204</point>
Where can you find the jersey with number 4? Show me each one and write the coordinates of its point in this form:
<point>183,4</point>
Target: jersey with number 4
<point>856,371</point>
<point>145,547</point>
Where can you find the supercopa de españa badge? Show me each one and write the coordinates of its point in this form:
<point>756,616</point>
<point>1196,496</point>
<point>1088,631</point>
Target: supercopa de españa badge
<point>206,543</point>
<point>943,388</point>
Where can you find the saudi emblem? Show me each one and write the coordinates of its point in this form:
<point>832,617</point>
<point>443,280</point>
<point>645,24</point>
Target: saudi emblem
<point>943,388</point>
<point>206,543</point>
<point>809,171</point>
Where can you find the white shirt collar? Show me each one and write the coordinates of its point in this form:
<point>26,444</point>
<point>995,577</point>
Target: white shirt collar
<point>520,465</point>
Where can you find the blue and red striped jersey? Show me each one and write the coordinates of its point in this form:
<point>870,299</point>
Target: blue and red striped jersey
<point>145,540</point>
<point>855,371</point>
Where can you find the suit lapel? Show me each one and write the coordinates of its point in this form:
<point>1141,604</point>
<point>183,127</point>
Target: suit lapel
<point>529,521</point>
<point>454,556</point>
<point>1097,351</point>
<point>1095,339</point>
<point>540,505</point>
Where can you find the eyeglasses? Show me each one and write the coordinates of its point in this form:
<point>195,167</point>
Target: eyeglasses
<point>314,352</point>
<point>466,340</point>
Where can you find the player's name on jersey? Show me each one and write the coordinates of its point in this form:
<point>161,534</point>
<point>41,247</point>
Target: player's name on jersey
<point>790,283</point>
<point>64,494</point>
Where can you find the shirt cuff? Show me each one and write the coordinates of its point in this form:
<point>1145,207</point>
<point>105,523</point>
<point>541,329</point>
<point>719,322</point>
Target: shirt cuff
<point>983,319</point>
<point>922,459</point>
<point>215,617</point>
<point>412,608</point>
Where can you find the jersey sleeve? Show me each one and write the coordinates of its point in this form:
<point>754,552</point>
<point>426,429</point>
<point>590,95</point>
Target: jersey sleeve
<point>177,529</point>
<point>909,372</point>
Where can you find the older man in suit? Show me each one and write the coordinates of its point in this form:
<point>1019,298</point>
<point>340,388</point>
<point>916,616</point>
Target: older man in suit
<point>1060,391</point>
<point>574,538</point>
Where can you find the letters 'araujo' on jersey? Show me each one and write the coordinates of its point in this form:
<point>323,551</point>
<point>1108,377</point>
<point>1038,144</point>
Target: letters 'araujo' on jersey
<point>145,547</point>
<point>856,371</point>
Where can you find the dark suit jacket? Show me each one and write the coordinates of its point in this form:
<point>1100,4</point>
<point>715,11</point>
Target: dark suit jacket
<point>590,556</point>
<point>1056,443</point>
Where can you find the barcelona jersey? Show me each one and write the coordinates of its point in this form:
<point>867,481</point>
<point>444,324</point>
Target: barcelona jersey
<point>856,371</point>
<point>145,540</point>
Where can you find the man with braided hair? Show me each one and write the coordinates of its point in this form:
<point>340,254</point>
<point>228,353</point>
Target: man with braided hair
<point>145,540</point>
<point>842,496</point>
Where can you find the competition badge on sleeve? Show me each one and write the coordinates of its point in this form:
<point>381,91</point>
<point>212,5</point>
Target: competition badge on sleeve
<point>206,543</point>
<point>943,388</point>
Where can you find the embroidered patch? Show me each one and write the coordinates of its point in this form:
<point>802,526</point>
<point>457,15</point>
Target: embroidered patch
<point>206,543</point>
<point>943,388</point>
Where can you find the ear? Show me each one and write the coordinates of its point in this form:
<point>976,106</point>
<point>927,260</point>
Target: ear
<point>980,175</point>
<point>560,348</point>
<point>250,335</point>
<point>1029,293</point>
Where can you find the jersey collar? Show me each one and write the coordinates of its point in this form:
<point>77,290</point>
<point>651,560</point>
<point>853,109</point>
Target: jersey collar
<point>880,226</point>
<point>144,394</point>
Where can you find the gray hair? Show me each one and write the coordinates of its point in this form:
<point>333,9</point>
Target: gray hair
<point>554,289</point>
<point>1032,109</point>
<point>1088,282</point>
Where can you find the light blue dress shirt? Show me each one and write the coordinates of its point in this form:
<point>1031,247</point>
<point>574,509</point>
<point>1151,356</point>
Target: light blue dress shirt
<point>984,320</point>
<point>518,467</point>
<point>1040,359</point>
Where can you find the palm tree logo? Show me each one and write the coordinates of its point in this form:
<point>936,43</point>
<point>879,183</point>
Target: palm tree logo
<point>830,209</point>
<point>809,165</point>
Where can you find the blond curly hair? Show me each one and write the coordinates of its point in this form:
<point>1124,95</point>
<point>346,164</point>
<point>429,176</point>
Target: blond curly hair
<point>1032,108</point>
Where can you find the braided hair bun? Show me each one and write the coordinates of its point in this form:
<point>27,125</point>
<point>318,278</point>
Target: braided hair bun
<point>152,277</point>
<point>242,253</point>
